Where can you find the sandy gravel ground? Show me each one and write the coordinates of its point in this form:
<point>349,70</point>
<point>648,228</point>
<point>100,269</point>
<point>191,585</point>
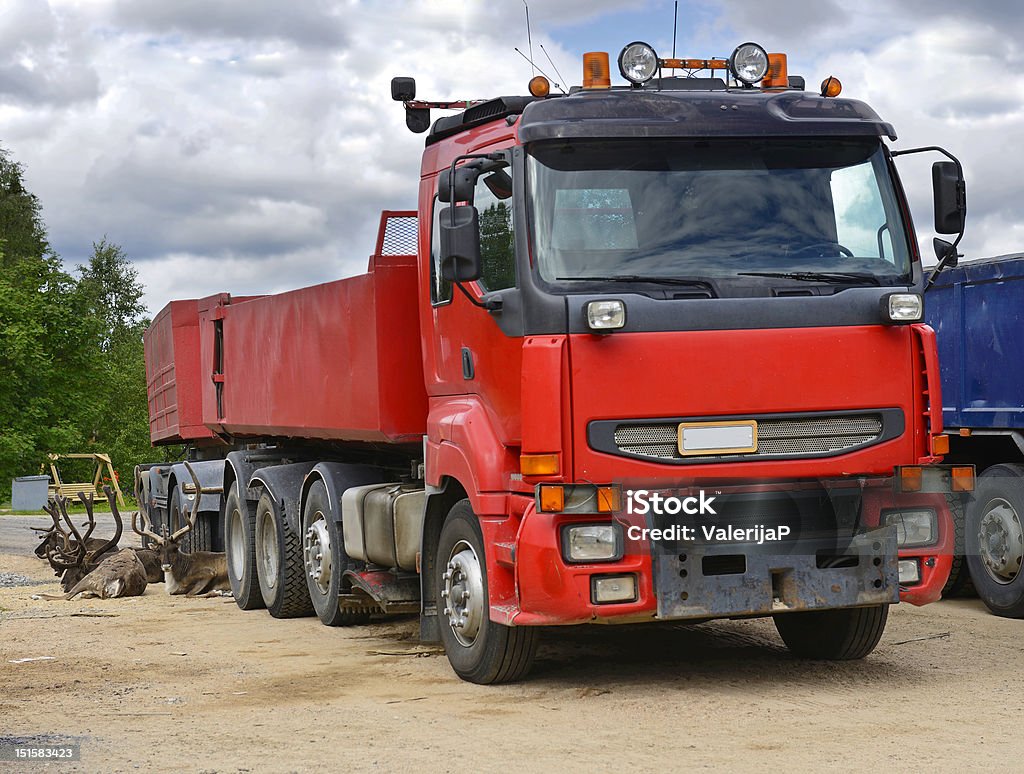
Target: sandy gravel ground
<point>165,683</point>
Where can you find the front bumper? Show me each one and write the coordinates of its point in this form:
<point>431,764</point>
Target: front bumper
<point>815,571</point>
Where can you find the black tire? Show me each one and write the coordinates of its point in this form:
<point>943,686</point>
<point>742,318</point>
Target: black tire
<point>833,635</point>
<point>200,537</point>
<point>959,583</point>
<point>325,586</point>
<point>997,509</point>
<point>239,542</point>
<point>279,567</point>
<point>495,653</point>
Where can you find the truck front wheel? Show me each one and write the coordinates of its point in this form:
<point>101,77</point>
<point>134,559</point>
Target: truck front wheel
<point>239,545</point>
<point>833,635</point>
<point>479,650</point>
<point>995,539</point>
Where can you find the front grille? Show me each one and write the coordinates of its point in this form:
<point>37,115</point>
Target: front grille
<point>796,437</point>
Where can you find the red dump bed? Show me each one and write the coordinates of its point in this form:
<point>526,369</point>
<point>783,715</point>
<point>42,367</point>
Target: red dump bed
<point>338,361</point>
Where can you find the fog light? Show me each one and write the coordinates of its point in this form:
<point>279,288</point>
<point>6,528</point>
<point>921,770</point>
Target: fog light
<point>591,543</point>
<point>910,571</point>
<point>605,589</point>
<point>903,307</point>
<point>913,528</point>
<point>606,315</point>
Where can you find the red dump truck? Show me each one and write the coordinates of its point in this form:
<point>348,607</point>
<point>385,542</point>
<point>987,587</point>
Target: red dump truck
<point>644,352</point>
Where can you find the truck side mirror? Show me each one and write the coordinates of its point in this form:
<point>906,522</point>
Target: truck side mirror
<point>950,195</point>
<point>460,243</point>
<point>403,89</point>
<point>946,253</point>
<point>463,182</point>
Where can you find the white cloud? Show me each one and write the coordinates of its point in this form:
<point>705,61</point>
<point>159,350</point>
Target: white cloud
<point>232,146</point>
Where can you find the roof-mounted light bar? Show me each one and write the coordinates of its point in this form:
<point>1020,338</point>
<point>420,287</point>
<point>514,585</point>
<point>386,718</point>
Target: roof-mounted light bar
<point>749,64</point>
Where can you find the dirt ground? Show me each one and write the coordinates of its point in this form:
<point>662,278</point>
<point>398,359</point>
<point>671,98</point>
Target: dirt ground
<point>159,682</point>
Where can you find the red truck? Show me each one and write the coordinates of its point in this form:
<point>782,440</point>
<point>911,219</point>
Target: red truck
<point>649,352</point>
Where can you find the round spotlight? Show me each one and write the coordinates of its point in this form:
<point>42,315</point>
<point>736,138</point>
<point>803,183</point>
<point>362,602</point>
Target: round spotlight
<point>749,63</point>
<point>638,63</point>
<point>540,86</point>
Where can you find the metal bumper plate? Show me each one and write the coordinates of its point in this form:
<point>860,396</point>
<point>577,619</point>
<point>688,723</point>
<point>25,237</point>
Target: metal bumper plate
<point>777,583</point>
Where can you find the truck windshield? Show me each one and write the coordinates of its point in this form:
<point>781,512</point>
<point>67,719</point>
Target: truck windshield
<point>681,209</point>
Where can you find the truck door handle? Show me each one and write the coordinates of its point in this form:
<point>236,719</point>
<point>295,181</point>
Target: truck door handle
<point>467,364</point>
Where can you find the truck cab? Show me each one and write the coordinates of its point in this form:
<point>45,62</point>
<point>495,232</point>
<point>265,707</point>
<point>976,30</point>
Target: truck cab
<point>679,286</point>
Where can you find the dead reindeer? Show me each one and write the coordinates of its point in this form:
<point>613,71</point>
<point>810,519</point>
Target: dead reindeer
<point>71,555</point>
<point>119,575</point>
<point>201,572</point>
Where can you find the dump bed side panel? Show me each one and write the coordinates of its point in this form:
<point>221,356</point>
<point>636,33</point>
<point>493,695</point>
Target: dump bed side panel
<point>314,363</point>
<point>172,373</point>
<point>977,311</point>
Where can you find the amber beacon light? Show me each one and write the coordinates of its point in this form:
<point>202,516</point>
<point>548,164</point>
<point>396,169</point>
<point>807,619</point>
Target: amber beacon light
<point>596,70</point>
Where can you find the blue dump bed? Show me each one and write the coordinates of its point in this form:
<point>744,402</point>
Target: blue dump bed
<point>977,311</point>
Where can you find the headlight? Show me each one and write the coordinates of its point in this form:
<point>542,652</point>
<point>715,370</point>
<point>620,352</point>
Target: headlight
<point>606,315</point>
<point>913,528</point>
<point>638,63</point>
<point>903,307</point>
<point>749,63</point>
<point>591,543</point>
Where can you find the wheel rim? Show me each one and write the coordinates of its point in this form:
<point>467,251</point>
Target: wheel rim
<point>463,593</point>
<point>236,551</point>
<point>268,550</point>
<point>316,551</point>
<point>1001,541</point>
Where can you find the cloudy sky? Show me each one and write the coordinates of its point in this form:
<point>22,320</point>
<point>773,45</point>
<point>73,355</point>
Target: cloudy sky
<point>249,145</point>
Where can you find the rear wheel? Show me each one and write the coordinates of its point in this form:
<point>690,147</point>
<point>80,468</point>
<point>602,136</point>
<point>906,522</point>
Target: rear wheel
<point>279,563</point>
<point>200,537</point>
<point>325,560</point>
<point>833,635</point>
<point>239,545</point>
<point>995,539</point>
<point>478,649</point>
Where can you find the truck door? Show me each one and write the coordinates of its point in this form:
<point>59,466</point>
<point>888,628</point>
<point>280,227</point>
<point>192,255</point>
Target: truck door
<point>470,354</point>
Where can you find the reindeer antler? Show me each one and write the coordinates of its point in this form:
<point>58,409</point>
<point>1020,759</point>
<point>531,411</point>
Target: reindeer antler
<point>190,514</point>
<point>117,520</point>
<point>76,548</point>
<point>91,523</point>
<point>147,528</point>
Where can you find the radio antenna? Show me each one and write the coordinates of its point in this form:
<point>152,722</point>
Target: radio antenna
<point>553,67</point>
<point>529,37</point>
<point>537,69</point>
<point>675,22</point>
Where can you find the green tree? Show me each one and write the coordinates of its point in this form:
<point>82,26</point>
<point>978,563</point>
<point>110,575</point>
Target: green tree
<point>43,345</point>
<point>116,417</point>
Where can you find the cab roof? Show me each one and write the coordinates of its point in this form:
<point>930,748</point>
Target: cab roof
<point>646,113</point>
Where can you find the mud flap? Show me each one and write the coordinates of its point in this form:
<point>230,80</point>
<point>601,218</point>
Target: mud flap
<point>715,581</point>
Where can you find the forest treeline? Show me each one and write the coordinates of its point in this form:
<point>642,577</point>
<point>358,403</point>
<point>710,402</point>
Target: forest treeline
<point>72,373</point>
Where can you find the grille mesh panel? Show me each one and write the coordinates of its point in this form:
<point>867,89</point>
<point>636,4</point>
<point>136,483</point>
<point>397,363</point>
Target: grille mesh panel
<point>789,437</point>
<point>400,235</point>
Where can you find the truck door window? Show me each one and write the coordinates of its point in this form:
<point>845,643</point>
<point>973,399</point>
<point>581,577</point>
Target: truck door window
<point>497,237</point>
<point>440,288</point>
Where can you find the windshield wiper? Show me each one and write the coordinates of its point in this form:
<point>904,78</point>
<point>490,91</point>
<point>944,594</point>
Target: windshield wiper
<point>832,277</point>
<point>639,278</point>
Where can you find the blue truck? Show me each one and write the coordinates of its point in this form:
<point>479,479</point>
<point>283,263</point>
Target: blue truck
<point>976,310</point>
